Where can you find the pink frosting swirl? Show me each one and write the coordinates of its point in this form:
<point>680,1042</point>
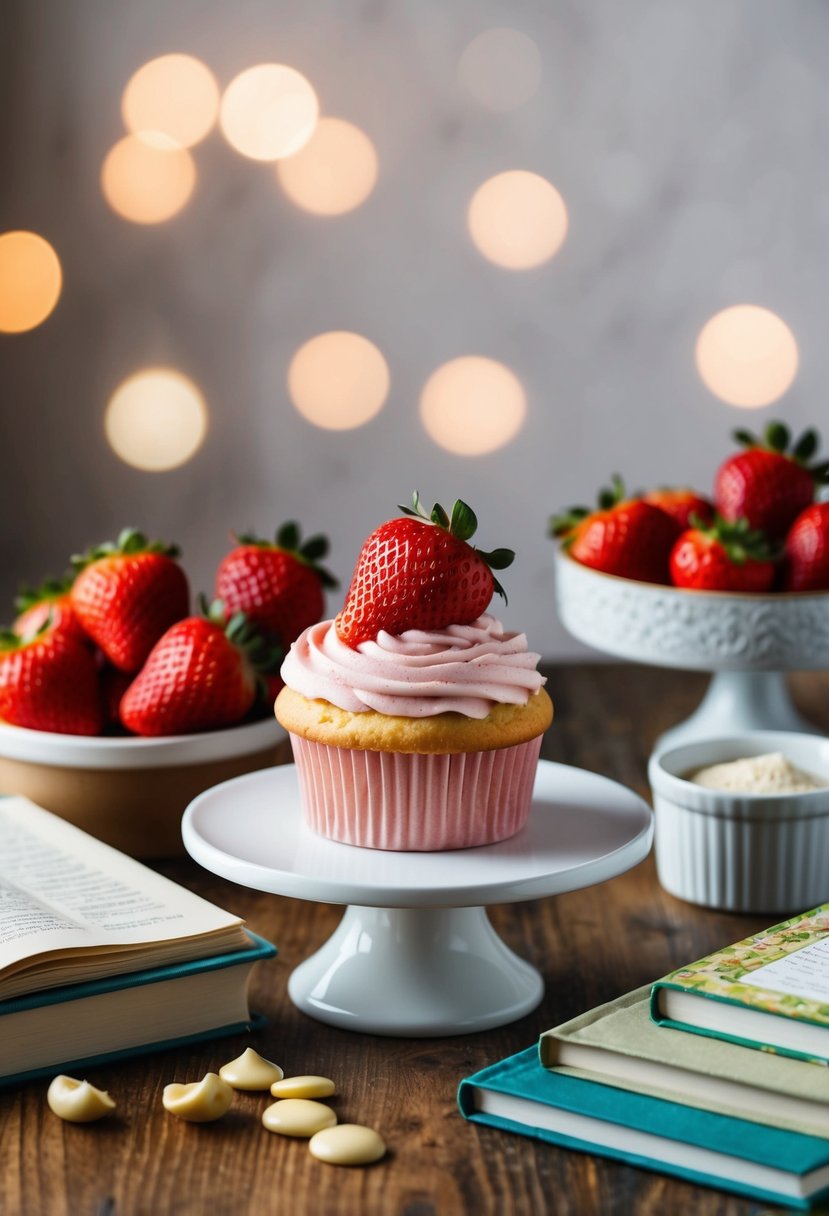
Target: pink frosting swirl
<point>464,668</point>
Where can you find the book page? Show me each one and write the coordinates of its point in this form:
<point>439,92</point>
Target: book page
<point>60,888</point>
<point>803,973</point>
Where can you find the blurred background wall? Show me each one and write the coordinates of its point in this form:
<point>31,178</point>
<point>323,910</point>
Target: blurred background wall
<point>679,155</point>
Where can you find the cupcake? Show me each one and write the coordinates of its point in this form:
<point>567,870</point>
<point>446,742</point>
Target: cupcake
<point>414,717</point>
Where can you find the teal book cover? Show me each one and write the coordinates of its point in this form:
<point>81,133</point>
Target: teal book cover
<point>765,1163</point>
<point>136,1013</point>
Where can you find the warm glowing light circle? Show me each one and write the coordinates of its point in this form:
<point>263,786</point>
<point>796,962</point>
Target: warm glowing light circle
<point>268,111</point>
<point>335,172</point>
<point>747,356</point>
<point>174,94</point>
<point>30,281</point>
<point>338,380</point>
<point>472,405</point>
<point>501,68</point>
<point>156,420</point>
<point>517,219</point>
<point>148,178</point>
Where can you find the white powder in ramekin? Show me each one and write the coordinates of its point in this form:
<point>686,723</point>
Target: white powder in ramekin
<point>770,774</point>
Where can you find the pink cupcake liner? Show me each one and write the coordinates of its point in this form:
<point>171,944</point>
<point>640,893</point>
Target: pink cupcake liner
<point>404,802</point>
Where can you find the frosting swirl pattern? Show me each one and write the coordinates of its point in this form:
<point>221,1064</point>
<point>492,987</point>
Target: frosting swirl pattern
<point>467,669</point>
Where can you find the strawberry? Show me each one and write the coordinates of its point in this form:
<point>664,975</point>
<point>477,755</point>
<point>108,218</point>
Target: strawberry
<point>681,504</point>
<point>766,484</point>
<point>806,552</point>
<point>49,682</point>
<point>125,596</point>
<point>278,585</point>
<point>625,536</point>
<point>418,572</point>
<point>722,556</point>
<point>51,601</point>
<point>202,674</point>
<point>113,684</point>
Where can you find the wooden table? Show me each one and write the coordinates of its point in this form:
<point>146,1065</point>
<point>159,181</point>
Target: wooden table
<point>590,945</point>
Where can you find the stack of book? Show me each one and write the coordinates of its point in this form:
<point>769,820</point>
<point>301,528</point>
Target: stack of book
<point>101,957</point>
<point>716,1073</point>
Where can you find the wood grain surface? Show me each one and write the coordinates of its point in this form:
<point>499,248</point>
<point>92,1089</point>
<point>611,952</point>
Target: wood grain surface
<point>590,946</point>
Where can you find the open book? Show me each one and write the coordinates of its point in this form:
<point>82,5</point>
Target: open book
<point>99,954</point>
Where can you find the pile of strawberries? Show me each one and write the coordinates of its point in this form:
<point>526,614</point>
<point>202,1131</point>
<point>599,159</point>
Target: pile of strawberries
<point>114,648</point>
<point>761,530</point>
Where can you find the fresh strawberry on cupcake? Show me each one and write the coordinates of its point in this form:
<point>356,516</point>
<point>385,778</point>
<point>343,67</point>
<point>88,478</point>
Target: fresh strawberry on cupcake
<point>415,718</point>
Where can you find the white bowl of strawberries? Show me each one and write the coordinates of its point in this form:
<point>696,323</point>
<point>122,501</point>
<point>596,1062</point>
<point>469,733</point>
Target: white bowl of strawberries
<point>736,584</point>
<point>118,705</point>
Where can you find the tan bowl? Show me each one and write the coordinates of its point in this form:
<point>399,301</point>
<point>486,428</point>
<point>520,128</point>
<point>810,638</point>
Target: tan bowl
<point>132,793</point>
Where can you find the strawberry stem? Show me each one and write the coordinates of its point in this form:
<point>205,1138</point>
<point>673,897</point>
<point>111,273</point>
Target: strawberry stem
<point>463,523</point>
<point>288,537</point>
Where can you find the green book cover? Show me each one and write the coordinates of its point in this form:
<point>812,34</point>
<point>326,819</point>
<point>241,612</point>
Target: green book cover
<point>619,1044</point>
<point>770,990</point>
<point>766,1163</point>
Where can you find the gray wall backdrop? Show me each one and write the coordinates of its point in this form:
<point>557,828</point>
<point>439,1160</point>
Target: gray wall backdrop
<point>689,140</point>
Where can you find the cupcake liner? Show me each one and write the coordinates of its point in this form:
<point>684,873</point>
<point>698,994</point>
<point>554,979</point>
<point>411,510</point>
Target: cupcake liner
<point>420,803</point>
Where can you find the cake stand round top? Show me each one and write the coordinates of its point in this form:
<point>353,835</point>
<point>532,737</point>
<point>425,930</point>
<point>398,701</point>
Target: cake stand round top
<point>583,829</point>
<point>695,630</point>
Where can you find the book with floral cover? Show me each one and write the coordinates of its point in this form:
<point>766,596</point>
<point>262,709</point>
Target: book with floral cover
<point>769,991</point>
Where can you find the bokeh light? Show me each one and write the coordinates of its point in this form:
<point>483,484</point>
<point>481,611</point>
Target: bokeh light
<point>338,380</point>
<point>335,172</point>
<point>268,111</point>
<point>148,179</point>
<point>156,420</point>
<point>473,405</point>
<point>175,95</point>
<point>501,68</point>
<point>747,356</point>
<point>517,219</point>
<point>30,281</point>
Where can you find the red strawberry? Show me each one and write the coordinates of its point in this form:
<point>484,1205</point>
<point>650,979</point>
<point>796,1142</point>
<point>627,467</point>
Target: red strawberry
<point>113,684</point>
<point>681,504</point>
<point>51,601</point>
<point>125,596</point>
<point>766,484</point>
<point>626,536</point>
<point>279,585</point>
<point>49,682</point>
<point>722,557</point>
<point>806,553</point>
<point>418,572</point>
<point>202,674</point>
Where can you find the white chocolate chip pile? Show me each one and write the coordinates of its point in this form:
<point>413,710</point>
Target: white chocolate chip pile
<point>250,1071</point>
<point>347,1144</point>
<point>297,1113</point>
<point>199,1101</point>
<point>298,1117</point>
<point>78,1101</point>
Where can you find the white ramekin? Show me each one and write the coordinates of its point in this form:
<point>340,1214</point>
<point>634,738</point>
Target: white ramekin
<point>742,852</point>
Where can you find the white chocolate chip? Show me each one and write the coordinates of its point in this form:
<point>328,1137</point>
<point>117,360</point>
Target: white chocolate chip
<point>298,1117</point>
<point>303,1087</point>
<point>348,1144</point>
<point>78,1101</point>
<point>200,1101</point>
<point>250,1071</point>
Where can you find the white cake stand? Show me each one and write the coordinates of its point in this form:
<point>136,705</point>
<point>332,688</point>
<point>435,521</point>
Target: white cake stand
<point>415,953</point>
<point>747,642</point>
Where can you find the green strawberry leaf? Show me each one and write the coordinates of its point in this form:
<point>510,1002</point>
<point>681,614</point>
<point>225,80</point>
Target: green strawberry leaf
<point>287,537</point>
<point>806,446</point>
<point>464,522</point>
<point>778,436</point>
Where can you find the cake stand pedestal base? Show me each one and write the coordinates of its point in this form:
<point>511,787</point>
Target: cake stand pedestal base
<point>736,702</point>
<point>415,971</point>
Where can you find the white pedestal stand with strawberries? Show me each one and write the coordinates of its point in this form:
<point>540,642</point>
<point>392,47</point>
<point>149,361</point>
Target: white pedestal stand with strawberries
<point>747,642</point>
<point>415,953</point>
